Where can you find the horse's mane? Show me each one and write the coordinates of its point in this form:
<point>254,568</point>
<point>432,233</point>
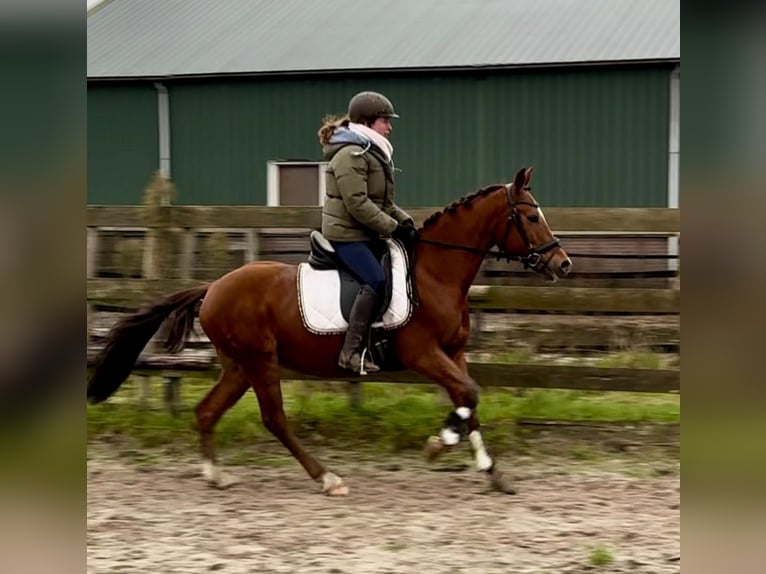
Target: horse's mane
<point>465,200</point>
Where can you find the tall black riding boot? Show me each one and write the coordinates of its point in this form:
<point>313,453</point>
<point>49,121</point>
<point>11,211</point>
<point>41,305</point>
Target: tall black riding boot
<point>361,316</point>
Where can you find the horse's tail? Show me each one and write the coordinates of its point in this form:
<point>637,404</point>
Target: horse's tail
<point>129,336</point>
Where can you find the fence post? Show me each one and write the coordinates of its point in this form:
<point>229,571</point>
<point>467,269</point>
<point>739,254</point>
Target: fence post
<point>160,255</point>
<point>354,394</point>
<point>144,391</point>
<point>253,245</point>
<point>186,265</point>
<point>92,252</point>
<point>159,250</point>
<point>173,394</point>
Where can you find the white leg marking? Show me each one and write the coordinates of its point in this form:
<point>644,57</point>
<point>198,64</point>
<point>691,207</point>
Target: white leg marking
<point>211,472</point>
<point>463,412</point>
<point>483,461</point>
<point>449,437</point>
<point>215,476</point>
<point>333,485</point>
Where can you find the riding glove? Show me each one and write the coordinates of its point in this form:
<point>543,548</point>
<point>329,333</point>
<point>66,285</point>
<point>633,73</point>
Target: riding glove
<point>406,232</point>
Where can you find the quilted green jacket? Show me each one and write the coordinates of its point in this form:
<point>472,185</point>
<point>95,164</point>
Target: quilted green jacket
<point>360,192</point>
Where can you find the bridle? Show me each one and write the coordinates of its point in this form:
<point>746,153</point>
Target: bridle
<point>532,259</point>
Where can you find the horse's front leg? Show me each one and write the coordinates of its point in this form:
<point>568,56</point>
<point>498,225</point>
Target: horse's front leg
<point>463,420</point>
<point>483,461</point>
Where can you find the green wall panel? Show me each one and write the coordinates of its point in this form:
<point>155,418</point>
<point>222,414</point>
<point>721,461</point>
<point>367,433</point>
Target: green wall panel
<point>122,142</point>
<point>597,137</point>
<point>223,135</point>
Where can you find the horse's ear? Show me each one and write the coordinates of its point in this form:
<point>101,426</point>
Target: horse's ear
<point>527,176</point>
<point>520,180</point>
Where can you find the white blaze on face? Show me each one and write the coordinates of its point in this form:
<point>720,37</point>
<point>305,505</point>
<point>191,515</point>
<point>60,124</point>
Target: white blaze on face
<point>542,216</point>
<point>539,210</point>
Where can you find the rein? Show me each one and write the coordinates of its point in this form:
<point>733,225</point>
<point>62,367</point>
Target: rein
<point>532,259</point>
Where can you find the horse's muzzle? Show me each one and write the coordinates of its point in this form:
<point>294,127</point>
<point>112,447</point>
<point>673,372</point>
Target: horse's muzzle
<point>558,266</point>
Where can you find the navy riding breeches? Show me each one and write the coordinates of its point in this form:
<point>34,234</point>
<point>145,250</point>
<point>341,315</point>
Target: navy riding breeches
<point>358,256</point>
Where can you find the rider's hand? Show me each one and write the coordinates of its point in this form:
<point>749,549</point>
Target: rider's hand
<point>406,232</point>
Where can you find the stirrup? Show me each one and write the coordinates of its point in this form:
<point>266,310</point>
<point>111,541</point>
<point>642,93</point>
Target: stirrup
<point>375,368</point>
<point>361,362</point>
<point>359,367</point>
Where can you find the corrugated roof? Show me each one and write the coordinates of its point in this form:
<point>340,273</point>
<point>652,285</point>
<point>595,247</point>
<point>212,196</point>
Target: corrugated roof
<point>151,38</point>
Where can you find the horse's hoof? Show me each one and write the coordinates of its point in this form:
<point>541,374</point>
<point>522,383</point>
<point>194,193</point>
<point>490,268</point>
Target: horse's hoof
<point>332,485</point>
<point>227,481</point>
<point>215,478</point>
<point>222,482</point>
<point>500,483</point>
<point>341,490</point>
<point>434,447</point>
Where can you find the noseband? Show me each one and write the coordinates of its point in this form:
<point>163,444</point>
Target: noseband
<point>533,259</point>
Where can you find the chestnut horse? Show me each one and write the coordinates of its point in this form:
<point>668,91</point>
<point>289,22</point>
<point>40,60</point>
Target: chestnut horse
<point>251,316</point>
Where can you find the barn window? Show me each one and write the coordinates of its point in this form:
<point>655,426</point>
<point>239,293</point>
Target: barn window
<point>295,183</point>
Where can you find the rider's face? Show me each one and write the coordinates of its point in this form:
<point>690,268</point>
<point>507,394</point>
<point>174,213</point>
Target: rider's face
<point>382,126</point>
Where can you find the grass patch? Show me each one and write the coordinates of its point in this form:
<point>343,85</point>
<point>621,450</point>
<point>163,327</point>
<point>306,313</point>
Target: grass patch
<point>600,556</point>
<point>562,404</point>
<point>391,417</point>
<point>583,452</point>
<point>634,358</point>
<point>520,355</point>
<point>631,360</point>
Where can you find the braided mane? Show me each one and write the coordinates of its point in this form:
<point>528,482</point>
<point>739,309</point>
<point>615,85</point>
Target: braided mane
<point>465,200</point>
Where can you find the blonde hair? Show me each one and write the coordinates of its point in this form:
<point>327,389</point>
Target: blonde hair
<point>329,124</point>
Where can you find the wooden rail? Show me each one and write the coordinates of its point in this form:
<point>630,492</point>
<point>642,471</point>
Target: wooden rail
<point>575,299</point>
<point>170,236</point>
<point>538,333</point>
<point>656,220</point>
<point>174,368</point>
<point>132,292</point>
<point>486,374</point>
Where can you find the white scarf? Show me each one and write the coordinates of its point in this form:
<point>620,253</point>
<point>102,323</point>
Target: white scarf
<point>370,134</point>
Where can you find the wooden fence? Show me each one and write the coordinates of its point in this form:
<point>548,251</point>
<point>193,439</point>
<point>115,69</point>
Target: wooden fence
<point>167,239</point>
<point>657,220</point>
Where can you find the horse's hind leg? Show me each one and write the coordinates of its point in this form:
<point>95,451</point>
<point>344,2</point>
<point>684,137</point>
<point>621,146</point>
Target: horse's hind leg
<point>264,377</point>
<point>227,391</point>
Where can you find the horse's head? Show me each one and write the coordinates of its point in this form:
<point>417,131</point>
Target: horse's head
<point>526,233</point>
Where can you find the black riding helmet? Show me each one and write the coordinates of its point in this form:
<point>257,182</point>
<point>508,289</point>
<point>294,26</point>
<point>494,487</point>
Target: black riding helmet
<point>366,107</point>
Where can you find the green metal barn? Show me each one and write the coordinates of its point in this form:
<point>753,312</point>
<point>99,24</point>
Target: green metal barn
<point>226,97</point>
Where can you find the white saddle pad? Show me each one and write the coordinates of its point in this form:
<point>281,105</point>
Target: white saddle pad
<point>319,296</point>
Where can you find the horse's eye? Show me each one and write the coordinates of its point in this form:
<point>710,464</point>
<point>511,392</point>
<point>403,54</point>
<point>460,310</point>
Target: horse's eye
<point>534,218</point>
